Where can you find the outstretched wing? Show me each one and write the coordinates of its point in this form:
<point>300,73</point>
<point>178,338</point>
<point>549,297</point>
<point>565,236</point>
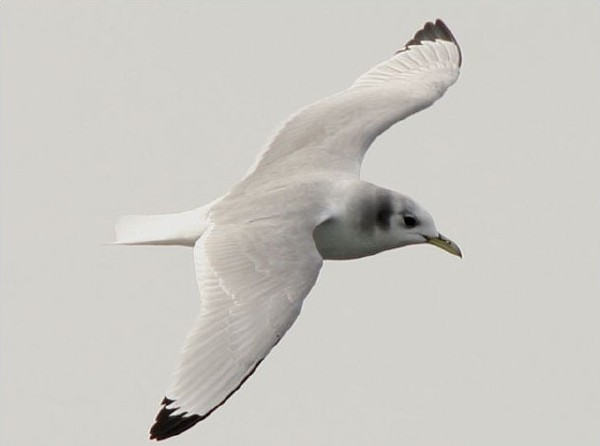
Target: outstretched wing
<point>252,281</point>
<point>334,133</point>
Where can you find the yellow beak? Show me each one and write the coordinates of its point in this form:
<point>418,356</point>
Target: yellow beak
<point>446,244</point>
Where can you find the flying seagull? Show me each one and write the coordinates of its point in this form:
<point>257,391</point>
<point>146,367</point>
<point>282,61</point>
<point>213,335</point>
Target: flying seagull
<point>259,248</point>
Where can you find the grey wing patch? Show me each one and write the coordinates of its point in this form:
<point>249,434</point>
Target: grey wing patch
<point>432,32</point>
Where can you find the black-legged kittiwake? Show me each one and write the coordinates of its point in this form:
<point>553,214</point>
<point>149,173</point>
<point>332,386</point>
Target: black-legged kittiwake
<point>259,248</point>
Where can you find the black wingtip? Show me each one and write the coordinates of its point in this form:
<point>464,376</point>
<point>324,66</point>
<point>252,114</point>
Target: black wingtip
<point>167,425</point>
<point>432,32</point>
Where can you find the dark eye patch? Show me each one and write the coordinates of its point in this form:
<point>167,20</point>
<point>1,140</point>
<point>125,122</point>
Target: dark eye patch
<point>383,216</point>
<point>376,212</point>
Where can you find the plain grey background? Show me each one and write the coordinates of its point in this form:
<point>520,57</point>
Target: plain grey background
<point>112,107</point>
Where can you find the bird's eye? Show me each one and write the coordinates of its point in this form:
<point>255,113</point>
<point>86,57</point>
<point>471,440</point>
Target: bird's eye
<point>410,221</point>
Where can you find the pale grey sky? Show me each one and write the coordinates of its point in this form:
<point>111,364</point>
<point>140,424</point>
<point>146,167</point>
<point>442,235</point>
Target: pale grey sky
<point>112,107</point>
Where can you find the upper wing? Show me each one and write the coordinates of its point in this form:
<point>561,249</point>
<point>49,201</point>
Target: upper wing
<point>335,133</point>
<point>252,282</point>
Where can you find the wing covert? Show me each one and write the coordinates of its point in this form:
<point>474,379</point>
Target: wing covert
<point>334,133</point>
<point>252,280</point>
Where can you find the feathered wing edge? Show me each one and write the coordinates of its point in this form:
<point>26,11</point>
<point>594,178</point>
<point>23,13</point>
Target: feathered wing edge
<point>432,51</point>
<point>167,424</point>
<point>253,280</point>
<point>336,131</point>
<point>432,32</point>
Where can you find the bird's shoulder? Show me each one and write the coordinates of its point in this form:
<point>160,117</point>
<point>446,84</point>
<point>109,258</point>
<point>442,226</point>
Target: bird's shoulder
<point>305,199</point>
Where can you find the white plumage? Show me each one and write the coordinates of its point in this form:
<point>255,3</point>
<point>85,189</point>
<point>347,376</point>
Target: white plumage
<point>258,250</point>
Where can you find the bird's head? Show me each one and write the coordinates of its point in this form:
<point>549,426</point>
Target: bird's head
<point>373,220</point>
<point>401,222</point>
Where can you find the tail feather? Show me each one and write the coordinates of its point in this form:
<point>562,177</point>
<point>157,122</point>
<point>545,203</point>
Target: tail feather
<point>183,228</point>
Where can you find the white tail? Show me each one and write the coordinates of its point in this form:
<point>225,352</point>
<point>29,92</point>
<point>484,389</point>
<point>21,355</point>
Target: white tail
<point>183,228</point>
